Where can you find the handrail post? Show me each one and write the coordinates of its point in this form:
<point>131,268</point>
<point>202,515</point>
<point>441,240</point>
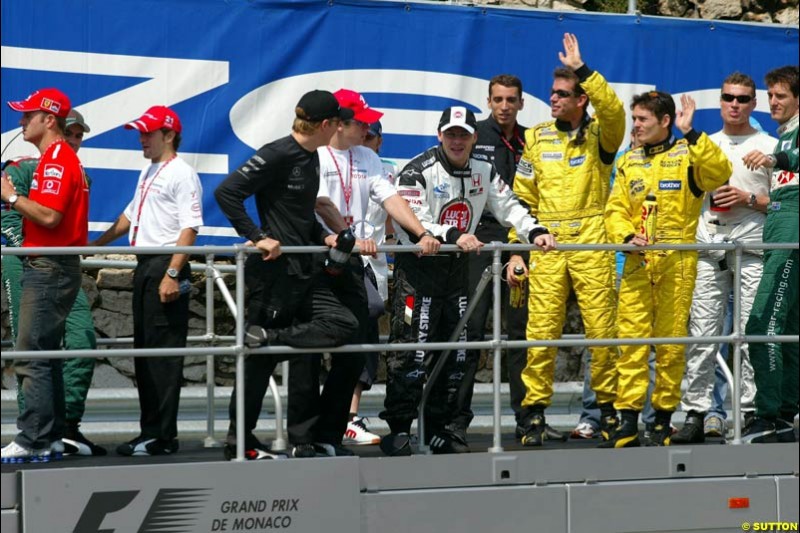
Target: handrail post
<point>497,446</point>
<point>210,441</point>
<point>737,345</point>
<point>241,351</point>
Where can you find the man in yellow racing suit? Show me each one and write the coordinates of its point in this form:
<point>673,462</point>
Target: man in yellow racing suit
<point>563,176</point>
<point>656,199</point>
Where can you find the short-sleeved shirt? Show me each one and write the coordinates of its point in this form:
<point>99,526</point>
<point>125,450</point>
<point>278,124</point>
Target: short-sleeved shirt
<point>168,199</point>
<point>351,178</point>
<point>59,183</point>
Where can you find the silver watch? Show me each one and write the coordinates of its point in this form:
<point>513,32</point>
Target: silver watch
<point>751,202</point>
<point>12,199</point>
<point>173,273</point>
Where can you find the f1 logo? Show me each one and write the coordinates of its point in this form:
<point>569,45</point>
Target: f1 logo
<point>99,505</point>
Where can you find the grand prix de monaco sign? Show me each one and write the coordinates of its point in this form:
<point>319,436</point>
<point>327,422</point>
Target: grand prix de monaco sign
<point>234,69</point>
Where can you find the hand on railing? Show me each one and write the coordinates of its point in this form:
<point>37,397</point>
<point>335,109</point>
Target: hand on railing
<point>469,243</point>
<point>270,248</point>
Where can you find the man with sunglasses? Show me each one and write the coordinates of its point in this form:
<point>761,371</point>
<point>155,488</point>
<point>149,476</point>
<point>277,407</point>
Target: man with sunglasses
<point>447,190</point>
<point>657,198</point>
<point>564,177</point>
<point>734,212</point>
<point>350,176</point>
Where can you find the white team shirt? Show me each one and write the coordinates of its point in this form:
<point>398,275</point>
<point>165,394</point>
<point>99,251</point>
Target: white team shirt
<point>376,216</point>
<point>361,170</point>
<point>168,199</point>
<point>741,222</point>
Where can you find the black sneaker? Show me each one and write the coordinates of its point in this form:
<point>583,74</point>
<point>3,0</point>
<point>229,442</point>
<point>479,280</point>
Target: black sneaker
<point>759,430</point>
<point>145,446</point>
<point>625,436</point>
<point>692,432</point>
<point>76,443</point>
<point>551,433</point>
<point>661,435</point>
<point>608,425</point>
<point>535,431</point>
<point>519,431</point>
<point>327,449</point>
<point>304,451</point>
<point>256,453</point>
<point>784,431</point>
<point>396,444</point>
<point>446,442</point>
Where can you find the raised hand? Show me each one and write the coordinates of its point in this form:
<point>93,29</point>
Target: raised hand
<point>684,117</point>
<point>571,57</point>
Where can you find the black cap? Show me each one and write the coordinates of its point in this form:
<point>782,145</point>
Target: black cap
<point>458,117</point>
<point>317,105</point>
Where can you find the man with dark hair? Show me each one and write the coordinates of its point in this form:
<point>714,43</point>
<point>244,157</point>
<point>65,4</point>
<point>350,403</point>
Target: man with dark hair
<point>734,212</point>
<point>564,177</point>
<point>166,211</point>
<point>290,300</point>
<point>79,331</point>
<point>447,190</point>
<point>775,310</point>
<point>55,212</point>
<point>657,198</point>
<point>500,141</point>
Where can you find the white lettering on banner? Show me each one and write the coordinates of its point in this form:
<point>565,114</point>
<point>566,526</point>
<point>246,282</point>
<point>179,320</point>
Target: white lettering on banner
<point>113,110</point>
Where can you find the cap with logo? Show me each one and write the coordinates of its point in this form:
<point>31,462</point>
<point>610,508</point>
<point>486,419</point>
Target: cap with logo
<point>458,117</point>
<point>375,129</point>
<point>318,105</point>
<point>75,117</point>
<point>155,118</point>
<point>361,109</point>
<point>49,100</point>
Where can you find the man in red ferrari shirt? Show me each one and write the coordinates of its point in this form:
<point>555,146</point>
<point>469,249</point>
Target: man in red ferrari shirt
<point>55,213</point>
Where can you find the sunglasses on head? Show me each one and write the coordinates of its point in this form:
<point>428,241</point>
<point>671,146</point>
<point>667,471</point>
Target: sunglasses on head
<point>561,93</point>
<point>741,98</point>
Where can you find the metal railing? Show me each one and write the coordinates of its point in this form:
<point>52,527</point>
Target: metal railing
<point>496,344</point>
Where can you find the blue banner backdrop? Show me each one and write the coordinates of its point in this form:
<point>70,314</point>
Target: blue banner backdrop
<point>234,69</point>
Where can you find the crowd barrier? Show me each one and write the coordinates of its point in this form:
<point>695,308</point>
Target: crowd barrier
<point>222,345</point>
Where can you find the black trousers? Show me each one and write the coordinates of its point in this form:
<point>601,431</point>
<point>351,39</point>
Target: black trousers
<point>302,312</point>
<point>158,325</point>
<point>322,417</point>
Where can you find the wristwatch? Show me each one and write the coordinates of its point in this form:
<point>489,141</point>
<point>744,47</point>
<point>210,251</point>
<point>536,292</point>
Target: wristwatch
<point>12,199</point>
<point>751,202</point>
<point>426,233</point>
<point>173,273</point>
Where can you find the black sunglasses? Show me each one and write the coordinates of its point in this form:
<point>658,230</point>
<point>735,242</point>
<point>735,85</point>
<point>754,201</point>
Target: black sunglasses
<point>561,93</point>
<point>741,98</point>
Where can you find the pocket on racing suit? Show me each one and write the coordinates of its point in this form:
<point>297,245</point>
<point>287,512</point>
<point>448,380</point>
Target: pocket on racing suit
<point>403,310</point>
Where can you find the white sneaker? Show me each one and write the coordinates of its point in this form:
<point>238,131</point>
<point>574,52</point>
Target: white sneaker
<point>57,448</point>
<point>16,453</point>
<point>584,430</point>
<point>357,433</point>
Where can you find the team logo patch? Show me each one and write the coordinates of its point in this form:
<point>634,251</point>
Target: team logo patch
<point>476,180</point>
<point>50,105</point>
<point>51,187</point>
<point>669,185</point>
<point>552,156</point>
<point>636,186</point>
<point>440,191</point>
<point>577,161</point>
<point>784,177</point>
<point>666,163</point>
<point>35,184</point>
<point>408,192</point>
<point>457,213</point>
<point>53,171</point>
<point>524,169</point>
<point>476,191</point>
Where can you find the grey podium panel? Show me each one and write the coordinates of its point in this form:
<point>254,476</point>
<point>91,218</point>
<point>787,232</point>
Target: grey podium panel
<point>9,520</point>
<point>466,510</point>
<point>8,490</point>
<point>788,498</point>
<point>671,505</point>
<point>293,495</point>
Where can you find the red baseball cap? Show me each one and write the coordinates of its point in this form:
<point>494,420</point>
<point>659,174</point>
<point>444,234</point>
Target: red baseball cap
<point>361,110</point>
<point>155,118</point>
<point>50,101</point>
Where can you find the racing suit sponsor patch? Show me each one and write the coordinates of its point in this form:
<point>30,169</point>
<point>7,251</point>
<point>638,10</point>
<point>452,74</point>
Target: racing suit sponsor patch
<point>51,186</point>
<point>577,161</point>
<point>408,192</point>
<point>440,191</point>
<point>552,156</point>
<point>524,168</point>
<point>457,213</point>
<point>53,171</point>
<point>782,178</point>
<point>669,185</point>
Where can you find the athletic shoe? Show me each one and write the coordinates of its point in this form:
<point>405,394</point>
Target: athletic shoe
<point>519,431</point>
<point>447,442</point>
<point>16,453</point>
<point>75,443</point>
<point>332,450</point>
<point>396,444</point>
<point>608,425</point>
<point>143,447</point>
<point>784,430</point>
<point>584,430</point>
<point>660,435</point>
<point>256,453</point>
<point>714,426</point>
<point>535,432</point>
<point>304,451</point>
<point>759,430</point>
<point>357,433</point>
<point>551,433</point>
<point>625,436</point>
<point>692,432</point>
